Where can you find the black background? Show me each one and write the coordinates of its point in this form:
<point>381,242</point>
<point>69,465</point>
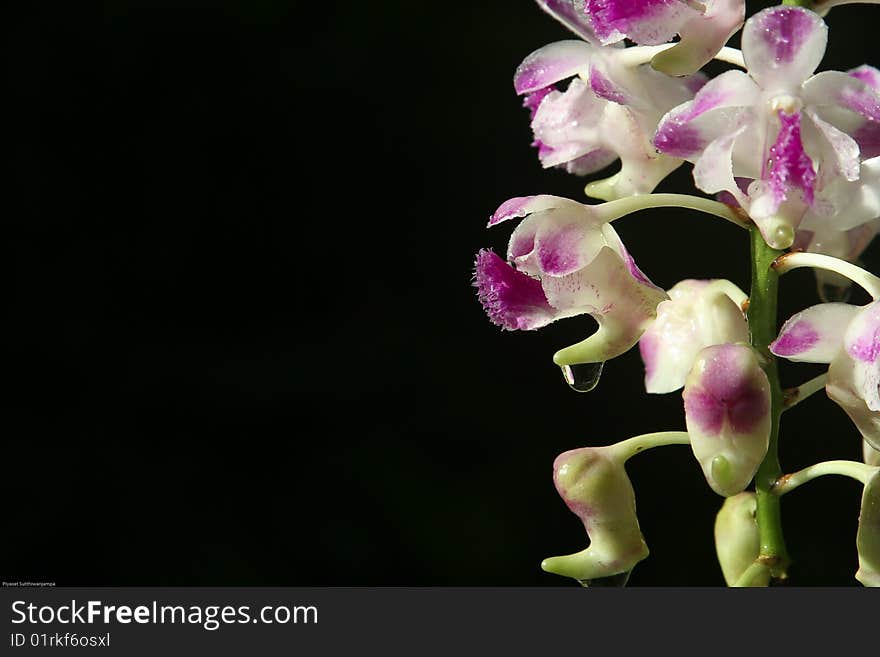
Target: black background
<point>242,342</point>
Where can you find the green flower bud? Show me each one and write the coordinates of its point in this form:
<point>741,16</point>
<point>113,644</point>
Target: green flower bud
<point>593,483</point>
<point>737,541</point>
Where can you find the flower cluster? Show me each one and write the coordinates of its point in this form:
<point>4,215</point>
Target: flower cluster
<point>794,156</point>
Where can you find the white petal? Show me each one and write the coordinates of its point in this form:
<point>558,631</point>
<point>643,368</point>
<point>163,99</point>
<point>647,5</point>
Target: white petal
<point>698,314</point>
<point>782,46</point>
<point>552,63</point>
<point>815,335</point>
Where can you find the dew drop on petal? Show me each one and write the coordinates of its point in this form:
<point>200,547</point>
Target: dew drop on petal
<point>582,377</point>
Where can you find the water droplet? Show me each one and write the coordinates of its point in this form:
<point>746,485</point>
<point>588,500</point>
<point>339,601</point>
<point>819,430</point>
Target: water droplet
<point>582,377</point>
<point>613,581</point>
<point>828,292</point>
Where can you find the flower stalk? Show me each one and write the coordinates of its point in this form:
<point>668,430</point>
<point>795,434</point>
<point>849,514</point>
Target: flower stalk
<point>762,327</point>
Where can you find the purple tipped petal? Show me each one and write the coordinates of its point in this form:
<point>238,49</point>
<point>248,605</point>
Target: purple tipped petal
<point>510,298</point>
<point>520,206</point>
<point>867,74</point>
<point>550,64</point>
<point>717,109</point>
<point>572,14</point>
<point>648,22</point>
<point>782,46</point>
<point>814,335</point>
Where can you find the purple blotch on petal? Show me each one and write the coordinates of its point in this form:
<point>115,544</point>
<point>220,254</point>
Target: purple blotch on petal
<point>795,339</point>
<point>609,16</point>
<point>785,30</point>
<point>510,298</point>
<point>790,166</point>
<point>867,74</point>
<point>864,101</point>
<point>866,346</point>
<point>558,251</point>
<point>604,88</point>
<point>727,390</point>
<point>705,410</point>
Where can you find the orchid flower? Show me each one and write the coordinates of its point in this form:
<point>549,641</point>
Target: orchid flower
<point>845,336</point>
<point>698,314</point>
<point>565,260</point>
<point>727,410</point>
<point>609,110</point>
<point>777,139</point>
<point>704,27</point>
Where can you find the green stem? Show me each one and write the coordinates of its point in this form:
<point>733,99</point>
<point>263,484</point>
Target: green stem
<point>762,327</point>
<point>853,469</point>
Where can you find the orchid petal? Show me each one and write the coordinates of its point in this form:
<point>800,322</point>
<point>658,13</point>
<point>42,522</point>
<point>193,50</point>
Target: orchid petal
<point>862,343</point>
<point>843,389</point>
<point>702,36</point>
<point>510,298</point>
<point>713,170</point>
<point>697,314</point>
<point>719,108</point>
<point>572,14</point>
<point>520,206</point>
<point>615,293</point>
<point>814,335</point>
<point>647,22</point>
<point>566,125</point>
<point>552,63</point>
<point>782,46</point>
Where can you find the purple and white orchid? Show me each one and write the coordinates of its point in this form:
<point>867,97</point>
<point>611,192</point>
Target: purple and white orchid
<point>608,111</point>
<point>795,157</point>
<point>778,139</point>
<point>704,27</point>
<point>847,337</point>
<point>564,259</point>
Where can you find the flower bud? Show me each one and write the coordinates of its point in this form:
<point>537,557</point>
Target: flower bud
<point>737,541</point>
<point>868,536</point>
<point>595,486</point>
<point>697,314</point>
<point>727,410</point>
